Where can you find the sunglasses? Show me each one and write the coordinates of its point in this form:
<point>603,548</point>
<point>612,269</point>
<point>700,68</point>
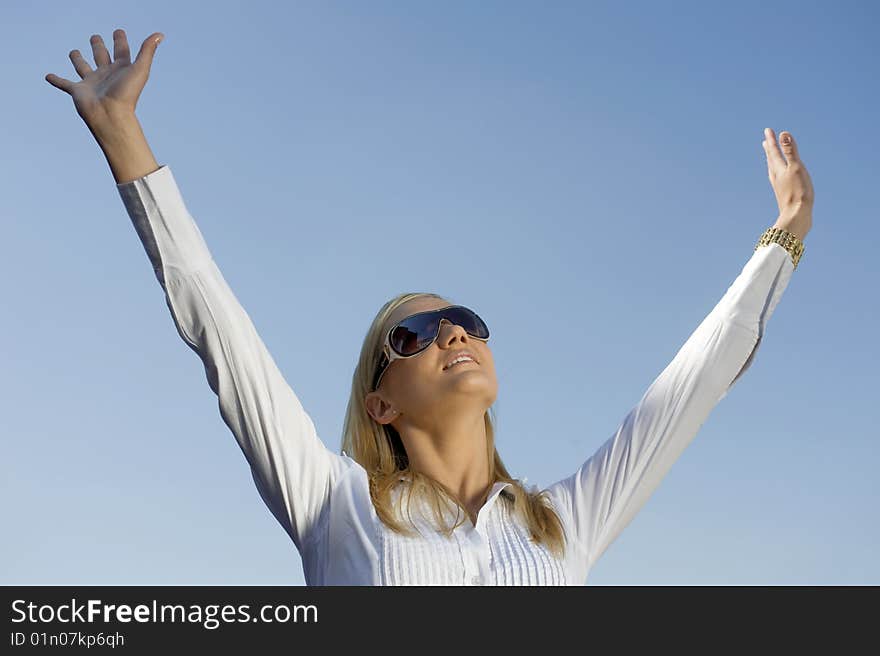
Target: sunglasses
<point>415,333</point>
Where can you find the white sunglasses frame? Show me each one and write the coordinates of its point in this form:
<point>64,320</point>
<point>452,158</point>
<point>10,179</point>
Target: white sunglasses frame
<point>391,355</point>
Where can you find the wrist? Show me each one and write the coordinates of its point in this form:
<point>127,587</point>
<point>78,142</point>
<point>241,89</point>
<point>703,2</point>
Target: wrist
<point>125,147</point>
<point>115,128</point>
<point>785,238</point>
<point>797,221</point>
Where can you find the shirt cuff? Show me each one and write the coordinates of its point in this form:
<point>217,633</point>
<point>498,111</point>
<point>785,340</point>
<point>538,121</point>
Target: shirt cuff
<point>757,290</point>
<point>167,230</point>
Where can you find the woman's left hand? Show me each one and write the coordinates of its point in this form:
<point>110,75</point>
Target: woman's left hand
<point>791,183</point>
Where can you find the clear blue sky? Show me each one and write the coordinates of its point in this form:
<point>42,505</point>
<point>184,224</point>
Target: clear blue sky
<point>596,165</point>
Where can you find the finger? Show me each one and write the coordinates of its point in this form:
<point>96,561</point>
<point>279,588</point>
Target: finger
<point>99,51</point>
<point>148,49</point>
<point>774,156</point>
<point>60,82</point>
<point>120,47</point>
<point>771,167</point>
<point>789,147</point>
<point>79,64</point>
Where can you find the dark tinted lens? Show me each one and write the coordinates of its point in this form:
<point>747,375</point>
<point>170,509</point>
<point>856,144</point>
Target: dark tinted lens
<point>469,320</point>
<point>415,333</point>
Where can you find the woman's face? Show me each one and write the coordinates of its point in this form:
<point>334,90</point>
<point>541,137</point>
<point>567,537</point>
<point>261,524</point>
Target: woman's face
<point>423,387</point>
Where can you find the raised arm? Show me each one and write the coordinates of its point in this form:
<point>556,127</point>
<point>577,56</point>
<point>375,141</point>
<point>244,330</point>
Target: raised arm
<point>293,470</point>
<point>606,492</point>
<point>601,498</point>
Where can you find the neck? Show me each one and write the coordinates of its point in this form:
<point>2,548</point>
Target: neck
<point>454,454</point>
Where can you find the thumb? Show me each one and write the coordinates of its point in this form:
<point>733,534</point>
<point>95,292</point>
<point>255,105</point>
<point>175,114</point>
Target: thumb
<point>148,49</point>
<point>789,148</point>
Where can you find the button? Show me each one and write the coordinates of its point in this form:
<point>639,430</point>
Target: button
<point>477,580</point>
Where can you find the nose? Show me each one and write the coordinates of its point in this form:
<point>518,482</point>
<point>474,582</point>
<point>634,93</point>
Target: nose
<point>451,332</point>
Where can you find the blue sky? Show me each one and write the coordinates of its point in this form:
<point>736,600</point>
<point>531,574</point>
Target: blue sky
<point>597,165</point>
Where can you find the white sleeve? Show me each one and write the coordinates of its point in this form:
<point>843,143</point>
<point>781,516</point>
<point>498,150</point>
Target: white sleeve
<point>293,470</point>
<point>605,493</point>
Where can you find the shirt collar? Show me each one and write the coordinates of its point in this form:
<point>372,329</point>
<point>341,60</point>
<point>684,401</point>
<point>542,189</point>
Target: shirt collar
<point>498,488</point>
<point>501,487</point>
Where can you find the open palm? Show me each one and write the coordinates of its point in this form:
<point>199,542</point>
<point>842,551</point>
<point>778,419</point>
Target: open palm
<point>113,86</point>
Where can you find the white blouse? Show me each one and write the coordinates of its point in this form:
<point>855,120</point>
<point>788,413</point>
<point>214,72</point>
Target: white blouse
<point>322,498</point>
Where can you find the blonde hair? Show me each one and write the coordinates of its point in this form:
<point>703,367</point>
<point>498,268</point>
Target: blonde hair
<point>380,451</point>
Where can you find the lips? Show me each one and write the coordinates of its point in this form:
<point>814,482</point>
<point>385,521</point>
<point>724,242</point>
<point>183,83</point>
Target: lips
<point>461,362</point>
<point>457,355</point>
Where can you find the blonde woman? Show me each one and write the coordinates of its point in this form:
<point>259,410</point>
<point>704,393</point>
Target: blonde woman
<point>419,494</point>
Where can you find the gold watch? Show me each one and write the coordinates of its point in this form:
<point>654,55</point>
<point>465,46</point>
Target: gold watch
<point>787,240</point>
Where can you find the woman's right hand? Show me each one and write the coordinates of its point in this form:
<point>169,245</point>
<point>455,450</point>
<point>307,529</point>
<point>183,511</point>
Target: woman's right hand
<point>112,89</point>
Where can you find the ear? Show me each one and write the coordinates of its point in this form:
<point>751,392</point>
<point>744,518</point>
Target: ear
<point>379,409</point>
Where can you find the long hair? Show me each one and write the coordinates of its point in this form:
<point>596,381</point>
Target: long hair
<point>380,451</point>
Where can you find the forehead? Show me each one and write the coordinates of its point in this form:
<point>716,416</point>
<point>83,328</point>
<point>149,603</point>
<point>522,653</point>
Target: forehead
<point>416,305</point>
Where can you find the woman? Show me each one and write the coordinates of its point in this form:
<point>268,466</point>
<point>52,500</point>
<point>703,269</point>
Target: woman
<point>419,494</point>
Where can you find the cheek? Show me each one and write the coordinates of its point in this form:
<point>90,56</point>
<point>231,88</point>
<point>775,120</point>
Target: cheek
<point>410,376</point>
